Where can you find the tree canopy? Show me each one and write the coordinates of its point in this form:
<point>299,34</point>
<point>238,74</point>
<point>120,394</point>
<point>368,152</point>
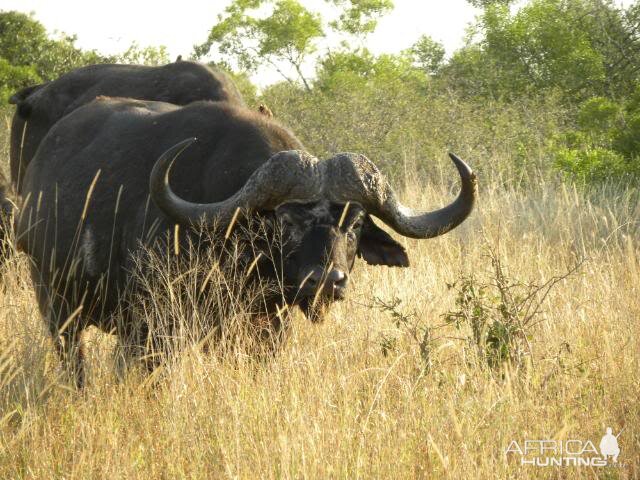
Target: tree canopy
<point>287,35</point>
<point>581,47</point>
<point>29,55</point>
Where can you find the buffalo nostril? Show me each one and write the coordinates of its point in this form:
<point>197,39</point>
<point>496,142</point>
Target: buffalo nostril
<point>330,282</point>
<point>337,278</point>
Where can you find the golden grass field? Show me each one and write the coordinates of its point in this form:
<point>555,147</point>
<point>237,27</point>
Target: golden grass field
<point>352,397</point>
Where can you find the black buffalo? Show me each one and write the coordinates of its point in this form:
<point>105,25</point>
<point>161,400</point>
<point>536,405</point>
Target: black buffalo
<point>39,107</point>
<point>98,189</point>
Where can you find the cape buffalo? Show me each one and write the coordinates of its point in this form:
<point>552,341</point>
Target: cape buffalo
<point>98,189</point>
<point>39,107</point>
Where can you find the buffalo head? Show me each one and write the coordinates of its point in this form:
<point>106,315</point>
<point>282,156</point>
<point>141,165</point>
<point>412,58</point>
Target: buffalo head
<point>323,210</point>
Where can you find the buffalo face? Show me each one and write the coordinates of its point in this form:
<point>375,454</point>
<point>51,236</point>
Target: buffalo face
<point>320,242</point>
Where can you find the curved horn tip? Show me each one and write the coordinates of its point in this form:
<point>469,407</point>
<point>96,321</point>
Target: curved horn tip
<point>166,160</point>
<point>464,169</point>
<point>182,146</point>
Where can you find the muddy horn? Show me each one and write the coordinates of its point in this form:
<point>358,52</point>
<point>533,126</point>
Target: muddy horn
<point>297,174</point>
<point>354,177</point>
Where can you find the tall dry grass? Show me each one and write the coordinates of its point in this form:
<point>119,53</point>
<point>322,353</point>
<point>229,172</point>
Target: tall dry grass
<point>353,397</point>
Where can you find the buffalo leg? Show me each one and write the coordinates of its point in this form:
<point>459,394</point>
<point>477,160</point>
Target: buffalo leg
<point>127,354</point>
<point>68,346</point>
<point>134,346</point>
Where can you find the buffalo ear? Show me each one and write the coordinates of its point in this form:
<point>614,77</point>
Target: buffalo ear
<point>377,247</point>
<point>20,100</point>
<point>22,94</point>
<point>24,110</point>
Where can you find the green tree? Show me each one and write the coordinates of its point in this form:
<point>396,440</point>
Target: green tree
<point>605,143</point>
<point>540,47</point>
<point>28,55</point>
<point>359,16</point>
<point>143,55</point>
<point>615,33</point>
<point>22,39</point>
<point>489,3</point>
<point>427,54</point>
<point>580,47</point>
<point>360,68</point>
<point>14,77</point>
<point>24,42</point>
<point>287,36</point>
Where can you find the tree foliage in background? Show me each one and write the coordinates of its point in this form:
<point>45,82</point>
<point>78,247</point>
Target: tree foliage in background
<point>575,60</point>
<point>605,142</point>
<point>580,47</point>
<point>489,3</point>
<point>546,86</point>
<point>28,55</point>
<point>136,54</point>
<point>427,54</point>
<point>287,36</point>
<point>361,66</point>
<point>359,17</point>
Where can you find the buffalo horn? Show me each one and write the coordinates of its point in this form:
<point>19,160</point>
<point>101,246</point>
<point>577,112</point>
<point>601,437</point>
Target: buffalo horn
<point>295,175</point>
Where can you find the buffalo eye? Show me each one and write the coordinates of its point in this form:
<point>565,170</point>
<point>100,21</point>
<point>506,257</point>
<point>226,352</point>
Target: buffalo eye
<point>287,222</point>
<point>291,227</point>
<point>354,229</point>
<point>357,225</point>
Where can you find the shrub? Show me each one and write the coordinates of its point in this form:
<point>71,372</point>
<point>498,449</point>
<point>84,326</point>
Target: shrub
<point>499,312</point>
<point>593,164</point>
<point>598,115</point>
<point>627,139</point>
<point>605,145</point>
